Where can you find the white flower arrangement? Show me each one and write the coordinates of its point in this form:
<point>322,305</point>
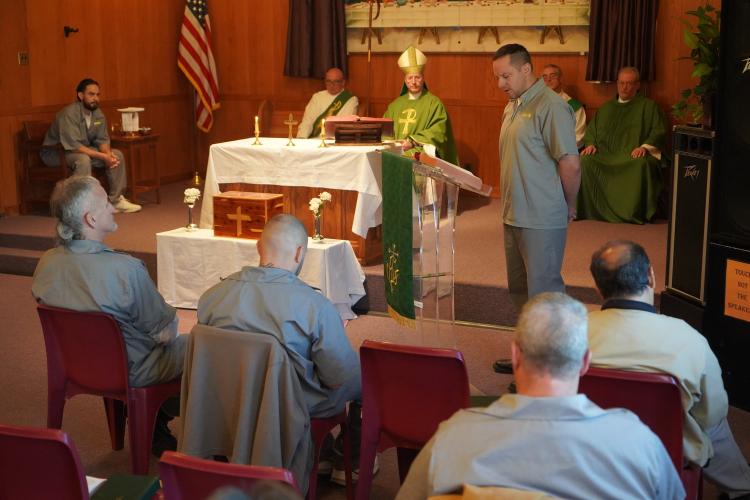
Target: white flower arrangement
<point>192,195</point>
<point>316,204</point>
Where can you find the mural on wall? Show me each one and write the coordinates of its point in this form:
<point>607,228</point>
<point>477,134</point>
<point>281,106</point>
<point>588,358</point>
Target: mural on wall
<point>467,25</point>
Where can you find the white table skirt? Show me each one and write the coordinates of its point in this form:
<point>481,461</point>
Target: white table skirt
<point>190,262</point>
<point>352,168</point>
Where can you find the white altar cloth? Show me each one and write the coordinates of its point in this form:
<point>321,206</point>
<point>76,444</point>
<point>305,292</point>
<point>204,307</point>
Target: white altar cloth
<point>352,168</point>
<point>190,262</point>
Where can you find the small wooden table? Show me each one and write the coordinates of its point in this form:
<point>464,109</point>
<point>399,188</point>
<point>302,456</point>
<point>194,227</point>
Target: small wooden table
<point>142,162</point>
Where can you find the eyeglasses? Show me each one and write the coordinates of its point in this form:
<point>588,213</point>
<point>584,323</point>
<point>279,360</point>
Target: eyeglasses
<point>334,82</point>
<point>550,77</point>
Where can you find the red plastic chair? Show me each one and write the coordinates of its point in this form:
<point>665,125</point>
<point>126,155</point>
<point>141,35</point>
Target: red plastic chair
<point>655,398</point>
<point>39,463</point>
<point>406,392</point>
<point>185,477</point>
<point>86,355</point>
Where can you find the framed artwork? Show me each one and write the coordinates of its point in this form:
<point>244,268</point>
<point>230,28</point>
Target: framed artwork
<point>468,25</point>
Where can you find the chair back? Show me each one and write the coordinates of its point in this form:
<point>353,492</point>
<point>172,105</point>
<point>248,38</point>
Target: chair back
<point>654,397</point>
<point>190,478</point>
<point>34,131</point>
<point>39,463</point>
<point>409,390</point>
<point>86,349</point>
<point>241,398</point>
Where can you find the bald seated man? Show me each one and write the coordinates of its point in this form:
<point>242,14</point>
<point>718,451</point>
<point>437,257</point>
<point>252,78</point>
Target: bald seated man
<point>629,334</point>
<point>547,437</point>
<point>271,299</point>
<point>334,100</point>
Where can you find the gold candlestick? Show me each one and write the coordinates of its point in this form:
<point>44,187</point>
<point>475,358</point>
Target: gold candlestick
<point>290,122</point>
<point>257,133</point>
<point>323,134</point>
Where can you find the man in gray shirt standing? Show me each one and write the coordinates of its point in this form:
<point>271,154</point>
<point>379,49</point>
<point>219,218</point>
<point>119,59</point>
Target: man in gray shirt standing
<point>540,176</point>
<point>546,438</point>
<point>81,128</point>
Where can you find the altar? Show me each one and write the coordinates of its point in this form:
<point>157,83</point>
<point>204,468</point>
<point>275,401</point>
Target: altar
<point>190,262</point>
<point>300,172</point>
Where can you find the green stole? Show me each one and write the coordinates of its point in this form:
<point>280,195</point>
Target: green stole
<point>332,109</point>
<point>575,104</point>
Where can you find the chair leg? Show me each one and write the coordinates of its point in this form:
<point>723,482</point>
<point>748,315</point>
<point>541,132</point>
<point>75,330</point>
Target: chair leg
<point>312,485</point>
<point>116,412</point>
<point>367,451</point>
<point>141,420</point>
<point>405,457</point>
<point>55,406</point>
<point>348,461</point>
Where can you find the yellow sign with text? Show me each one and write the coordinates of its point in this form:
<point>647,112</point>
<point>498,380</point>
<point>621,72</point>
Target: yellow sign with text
<point>737,291</point>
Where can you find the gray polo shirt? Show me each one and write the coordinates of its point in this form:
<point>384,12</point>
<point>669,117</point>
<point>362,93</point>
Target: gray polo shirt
<point>538,130</point>
<point>69,128</point>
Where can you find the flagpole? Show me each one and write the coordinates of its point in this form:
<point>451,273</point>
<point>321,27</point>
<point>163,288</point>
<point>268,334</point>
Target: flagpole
<point>197,180</point>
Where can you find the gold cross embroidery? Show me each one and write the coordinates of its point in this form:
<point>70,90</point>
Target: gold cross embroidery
<point>239,217</point>
<point>411,117</point>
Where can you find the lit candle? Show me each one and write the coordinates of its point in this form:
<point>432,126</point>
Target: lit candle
<point>323,129</point>
<point>257,128</point>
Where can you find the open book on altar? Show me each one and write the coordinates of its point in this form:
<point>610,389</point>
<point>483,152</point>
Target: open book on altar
<point>460,176</point>
<point>385,125</point>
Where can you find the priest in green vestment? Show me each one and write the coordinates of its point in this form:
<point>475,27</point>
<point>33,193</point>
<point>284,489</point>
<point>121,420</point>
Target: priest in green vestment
<point>419,117</point>
<point>621,165</point>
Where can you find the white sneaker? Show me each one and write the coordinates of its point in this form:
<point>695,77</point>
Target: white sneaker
<point>124,206</point>
<point>338,476</point>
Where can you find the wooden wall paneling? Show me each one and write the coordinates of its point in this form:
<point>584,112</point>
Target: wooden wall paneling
<point>8,162</point>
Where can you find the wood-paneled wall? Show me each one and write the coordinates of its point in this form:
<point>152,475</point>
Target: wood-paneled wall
<point>130,47</point>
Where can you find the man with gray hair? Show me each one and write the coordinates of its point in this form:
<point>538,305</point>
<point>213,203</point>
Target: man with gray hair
<point>629,334</point>
<point>546,438</point>
<point>621,176</point>
<point>83,274</point>
<point>272,300</point>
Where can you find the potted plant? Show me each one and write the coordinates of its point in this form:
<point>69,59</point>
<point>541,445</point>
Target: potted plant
<point>703,42</point>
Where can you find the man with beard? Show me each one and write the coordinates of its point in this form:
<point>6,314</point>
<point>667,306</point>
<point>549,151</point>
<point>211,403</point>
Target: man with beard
<point>81,128</point>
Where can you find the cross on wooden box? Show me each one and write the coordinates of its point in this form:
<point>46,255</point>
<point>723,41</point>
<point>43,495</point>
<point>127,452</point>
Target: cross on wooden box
<point>242,214</point>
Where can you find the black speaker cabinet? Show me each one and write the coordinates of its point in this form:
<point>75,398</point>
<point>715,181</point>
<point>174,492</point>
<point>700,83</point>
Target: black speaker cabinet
<point>688,224</point>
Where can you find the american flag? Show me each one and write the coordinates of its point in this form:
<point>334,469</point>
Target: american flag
<point>196,61</point>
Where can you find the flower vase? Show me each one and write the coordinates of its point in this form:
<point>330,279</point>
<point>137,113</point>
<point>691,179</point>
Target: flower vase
<point>191,225</point>
<point>316,228</point>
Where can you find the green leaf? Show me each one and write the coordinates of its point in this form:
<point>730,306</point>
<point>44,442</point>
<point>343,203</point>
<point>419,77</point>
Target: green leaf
<point>686,93</point>
<point>690,39</point>
<point>701,69</point>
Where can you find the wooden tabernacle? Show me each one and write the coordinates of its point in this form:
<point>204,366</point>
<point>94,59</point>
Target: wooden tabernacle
<point>243,214</point>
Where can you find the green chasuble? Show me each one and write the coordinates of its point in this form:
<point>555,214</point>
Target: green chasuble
<point>424,120</point>
<point>614,186</point>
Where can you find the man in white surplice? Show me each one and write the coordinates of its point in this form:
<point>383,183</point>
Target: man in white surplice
<point>334,100</point>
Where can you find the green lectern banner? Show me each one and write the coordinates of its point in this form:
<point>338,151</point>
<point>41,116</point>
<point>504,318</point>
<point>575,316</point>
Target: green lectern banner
<point>397,237</point>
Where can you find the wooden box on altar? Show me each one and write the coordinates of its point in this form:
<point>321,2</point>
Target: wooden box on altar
<point>243,214</point>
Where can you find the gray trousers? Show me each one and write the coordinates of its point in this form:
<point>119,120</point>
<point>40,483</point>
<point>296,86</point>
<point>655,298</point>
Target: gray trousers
<point>533,259</point>
<point>81,164</point>
<point>727,469</point>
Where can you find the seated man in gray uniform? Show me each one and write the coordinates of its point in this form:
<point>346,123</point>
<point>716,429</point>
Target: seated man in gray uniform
<point>629,334</point>
<point>546,438</point>
<point>83,274</point>
<point>271,299</point>
<point>81,128</point>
